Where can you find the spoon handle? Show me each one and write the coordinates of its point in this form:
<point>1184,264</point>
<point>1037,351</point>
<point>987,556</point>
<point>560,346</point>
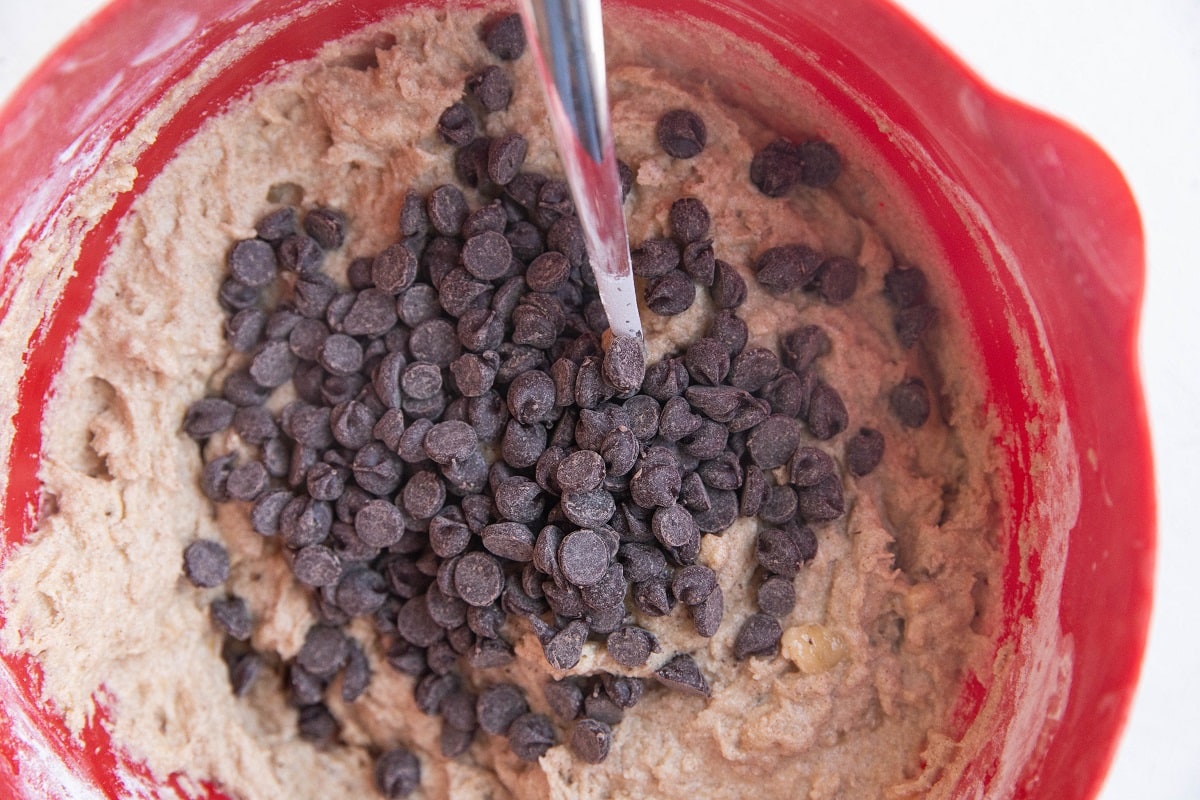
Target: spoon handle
<point>566,38</point>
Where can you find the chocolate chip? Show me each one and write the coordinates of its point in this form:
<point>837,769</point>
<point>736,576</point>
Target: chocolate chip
<point>631,646</point>
<point>304,688</point>
<point>642,562</point>
<point>730,330</point>
<point>458,710</point>
<point>510,540</point>
<point>789,393</point>
<point>681,133</point>
<point>505,156</point>
<point>553,202</point>
<point>723,472</point>
<point>300,254</point>
<point>530,736</point>
<point>447,442</point>
<point>245,328</point>
<point>273,364</point>
<point>827,415</point>
<point>759,636</point>
<point>504,37</point>
<point>373,313</point>
<point>264,516</point>
<point>823,500</point>
<point>435,341</point>
<point>651,597</point>
<point>674,526</point>
<point>341,354</point>
<point>478,579</point>
<point>487,255</point>
<point>565,648</point>
<point>777,168</point>
<point>654,258</point>
<point>782,269</point>
<point>406,658</point>
<point>620,451</point>
<point>836,280</point>
<point>316,565</point>
<point>208,416</point>
<point>456,126</point>
<point>583,557</point>
<point>243,669</point>
<point>591,740</point>
<point>232,615</point>
<point>247,480</point>
<point>317,725</point>
<point>693,584</point>
<point>722,514</point>
<point>327,226</point>
<point>670,294</point>
<point>397,773</point>
<point>608,592</point>
<point>624,365</point>
<point>864,451</point>
<point>235,295</point>
<point>693,494</point>
<point>772,443</point>
<point>644,412</point>
<point>689,219</point>
<point>699,262</point>
<point>252,263</point>
<point>580,471</point>
<point>415,624</point>
<point>564,697</point>
<point>492,87</point>
<point>421,380</point>
<point>780,505</point>
<point>499,706</point>
<point>277,225</point>
<point>728,288</point>
<point>820,163</point>
<point>379,523</point>
<point>905,286</point>
<point>810,466</point>
<point>360,592</point>
<point>753,369</point>
<point>777,596</point>
<point>677,420</point>
<point>324,651</point>
<point>588,509</point>
<point>205,563</point>
<point>474,374</point>
<point>707,361</point>
<point>531,397</point>
<point>910,323</point>
<point>682,674</point>
<point>778,553</point>
<point>707,614</point>
<point>718,403</point>
<point>655,485</point>
<point>519,499</point>
<point>665,379</point>
<point>424,495</point>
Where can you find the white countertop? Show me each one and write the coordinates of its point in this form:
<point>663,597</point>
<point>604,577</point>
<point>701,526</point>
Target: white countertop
<point>1131,79</point>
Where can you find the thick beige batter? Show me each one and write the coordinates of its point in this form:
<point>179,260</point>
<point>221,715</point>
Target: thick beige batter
<point>892,612</point>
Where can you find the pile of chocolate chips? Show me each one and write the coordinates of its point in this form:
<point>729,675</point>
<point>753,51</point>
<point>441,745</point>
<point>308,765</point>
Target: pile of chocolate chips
<point>465,461</point>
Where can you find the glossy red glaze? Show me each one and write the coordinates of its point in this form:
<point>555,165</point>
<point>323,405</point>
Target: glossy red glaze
<point>1039,224</point>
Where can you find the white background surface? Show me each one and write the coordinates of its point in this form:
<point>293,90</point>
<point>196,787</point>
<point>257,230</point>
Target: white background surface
<point>1129,75</point>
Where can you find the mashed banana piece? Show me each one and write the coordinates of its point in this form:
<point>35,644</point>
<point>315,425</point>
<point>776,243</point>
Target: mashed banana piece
<point>893,612</point>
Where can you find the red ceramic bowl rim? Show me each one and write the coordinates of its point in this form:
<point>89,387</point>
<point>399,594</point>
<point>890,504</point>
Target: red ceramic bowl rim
<point>1106,271</point>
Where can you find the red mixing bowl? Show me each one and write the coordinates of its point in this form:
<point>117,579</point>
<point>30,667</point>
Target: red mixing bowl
<point>1039,225</point>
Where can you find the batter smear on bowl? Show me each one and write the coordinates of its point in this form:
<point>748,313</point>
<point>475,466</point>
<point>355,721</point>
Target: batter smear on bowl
<point>380,501</point>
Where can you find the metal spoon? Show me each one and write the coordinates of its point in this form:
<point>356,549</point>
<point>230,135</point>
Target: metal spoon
<point>567,41</point>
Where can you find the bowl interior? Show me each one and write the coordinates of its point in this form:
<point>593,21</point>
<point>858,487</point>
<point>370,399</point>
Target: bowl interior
<point>1039,225</point>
